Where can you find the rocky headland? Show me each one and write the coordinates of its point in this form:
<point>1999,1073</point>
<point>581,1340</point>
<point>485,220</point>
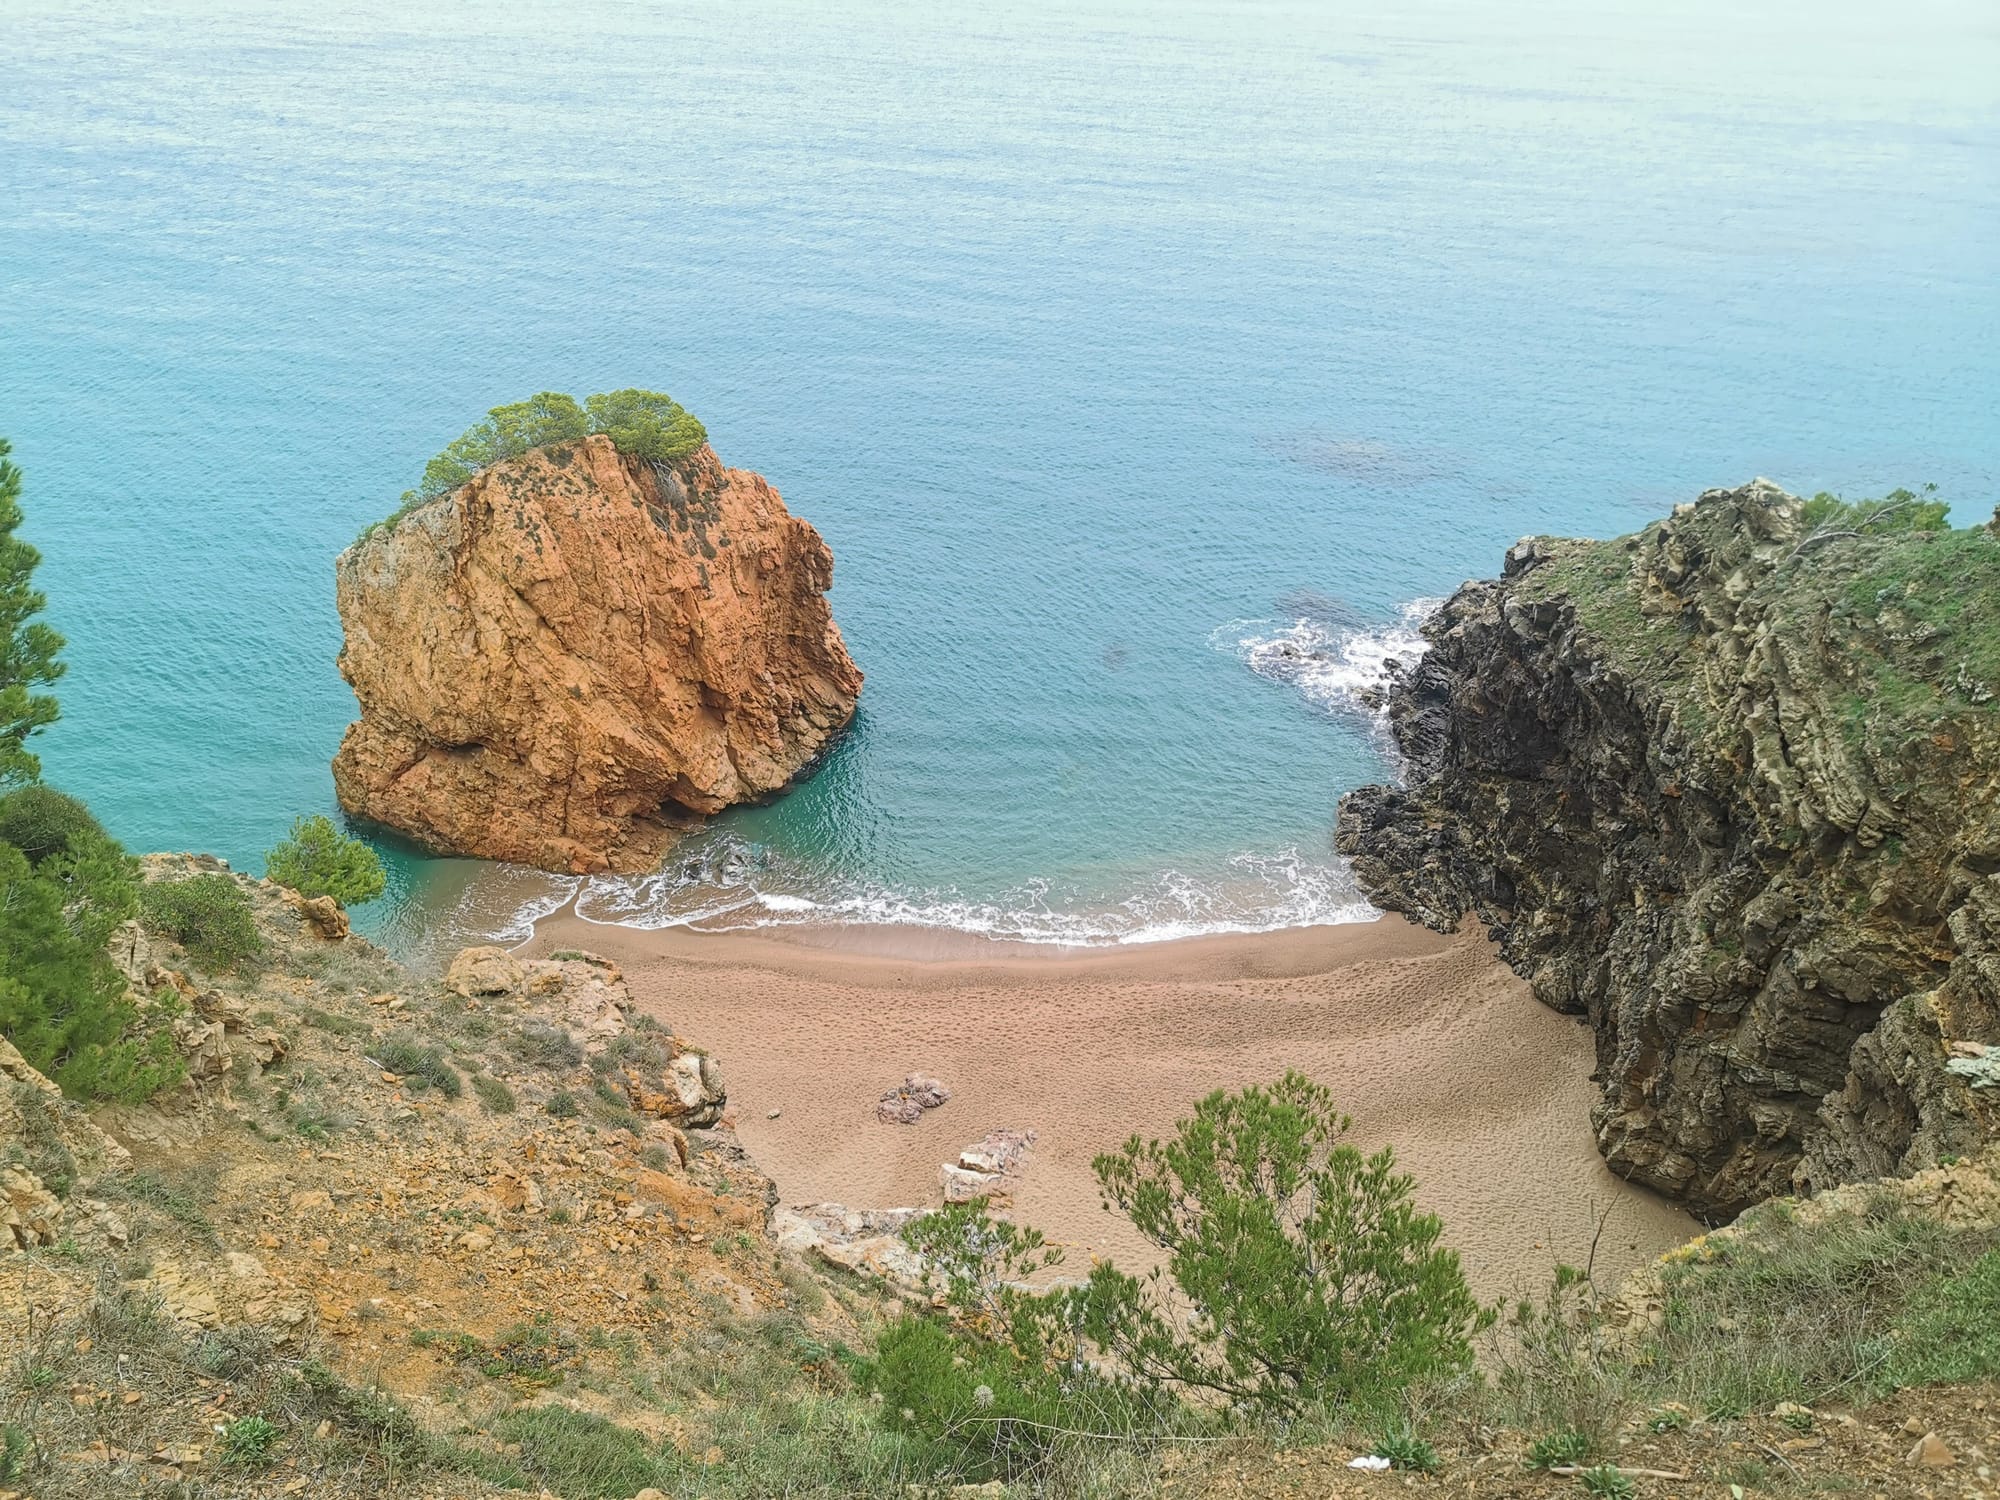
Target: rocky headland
<point>1727,788</point>
<point>578,652</point>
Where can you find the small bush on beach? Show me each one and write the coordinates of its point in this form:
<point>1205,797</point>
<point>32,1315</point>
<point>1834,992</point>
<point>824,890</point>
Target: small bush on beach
<point>209,915</point>
<point>317,859</point>
<point>1298,1271</point>
<point>1299,1279</point>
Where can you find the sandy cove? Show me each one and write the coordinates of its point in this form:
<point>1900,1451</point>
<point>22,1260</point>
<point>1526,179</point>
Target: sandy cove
<point>1430,1043</point>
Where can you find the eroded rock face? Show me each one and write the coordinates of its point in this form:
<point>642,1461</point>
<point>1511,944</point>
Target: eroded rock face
<point>575,654</point>
<point>1732,796</point>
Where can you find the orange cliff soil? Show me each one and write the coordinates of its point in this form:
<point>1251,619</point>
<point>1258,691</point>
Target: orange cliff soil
<point>564,659</point>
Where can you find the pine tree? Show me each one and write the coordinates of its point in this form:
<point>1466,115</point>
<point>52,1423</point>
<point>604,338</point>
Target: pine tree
<point>27,648</point>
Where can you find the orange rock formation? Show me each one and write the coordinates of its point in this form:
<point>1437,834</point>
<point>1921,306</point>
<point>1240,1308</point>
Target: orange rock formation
<point>562,660</point>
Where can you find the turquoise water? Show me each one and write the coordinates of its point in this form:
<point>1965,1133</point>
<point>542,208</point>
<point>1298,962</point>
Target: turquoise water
<point>1141,363</point>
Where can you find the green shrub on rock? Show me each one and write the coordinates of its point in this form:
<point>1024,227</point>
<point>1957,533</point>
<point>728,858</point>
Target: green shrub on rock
<point>546,417</point>
<point>422,1064</point>
<point>646,424</point>
<point>62,1003</point>
<point>319,860</point>
<point>649,425</point>
<point>209,915</point>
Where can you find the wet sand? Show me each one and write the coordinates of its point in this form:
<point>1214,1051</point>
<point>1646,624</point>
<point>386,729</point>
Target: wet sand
<point>1430,1043</point>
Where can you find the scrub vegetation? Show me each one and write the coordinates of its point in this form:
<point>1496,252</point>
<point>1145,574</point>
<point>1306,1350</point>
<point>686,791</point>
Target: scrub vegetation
<point>648,425</point>
<point>319,860</point>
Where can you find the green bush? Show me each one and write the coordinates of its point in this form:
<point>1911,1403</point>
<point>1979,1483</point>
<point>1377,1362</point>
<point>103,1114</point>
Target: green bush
<point>15,1448</point>
<point>41,821</point>
<point>1607,1482</point>
<point>247,1442</point>
<point>493,1094</point>
<point>319,860</point>
<point>583,1456</point>
<point>646,424</point>
<point>28,648</point>
<point>545,1046</point>
<point>546,417</point>
<point>563,1106</point>
<point>422,1064</point>
<point>61,1000</point>
<point>1007,1408</point>
<point>1307,1274</point>
<point>1405,1450</point>
<point>1899,510</point>
<point>209,915</point>
<point>1559,1450</point>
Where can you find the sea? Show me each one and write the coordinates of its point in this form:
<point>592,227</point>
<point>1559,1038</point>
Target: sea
<point>1150,367</point>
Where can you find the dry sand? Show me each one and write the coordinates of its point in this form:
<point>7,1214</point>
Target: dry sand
<point>1430,1043</point>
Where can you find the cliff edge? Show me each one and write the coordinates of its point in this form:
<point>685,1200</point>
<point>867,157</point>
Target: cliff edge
<point>1727,787</point>
<point>570,656</point>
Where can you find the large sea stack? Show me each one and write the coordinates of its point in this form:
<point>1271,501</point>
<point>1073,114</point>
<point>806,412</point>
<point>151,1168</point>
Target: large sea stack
<point>1730,788</point>
<point>563,661</point>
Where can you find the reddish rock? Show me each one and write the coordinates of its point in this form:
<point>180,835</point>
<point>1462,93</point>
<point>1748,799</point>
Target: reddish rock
<point>566,660</point>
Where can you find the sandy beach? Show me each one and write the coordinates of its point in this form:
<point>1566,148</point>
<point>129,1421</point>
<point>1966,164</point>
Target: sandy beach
<point>1430,1043</point>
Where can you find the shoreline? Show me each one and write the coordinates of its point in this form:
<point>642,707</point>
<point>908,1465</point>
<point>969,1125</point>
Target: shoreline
<point>1430,1044</point>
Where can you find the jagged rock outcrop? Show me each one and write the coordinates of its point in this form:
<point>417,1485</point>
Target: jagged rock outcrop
<point>1728,788</point>
<point>48,1146</point>
<point>574,654</point>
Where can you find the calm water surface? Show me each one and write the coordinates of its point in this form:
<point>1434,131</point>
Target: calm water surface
<point>1143,364</point>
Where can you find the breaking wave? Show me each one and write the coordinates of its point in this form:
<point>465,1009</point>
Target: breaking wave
<point>728,885</point>
<point>718,881</point>
<point>1334,665</point>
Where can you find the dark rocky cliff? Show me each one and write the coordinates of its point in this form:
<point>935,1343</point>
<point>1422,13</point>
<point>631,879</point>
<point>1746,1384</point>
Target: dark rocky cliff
<point>1730,788</point>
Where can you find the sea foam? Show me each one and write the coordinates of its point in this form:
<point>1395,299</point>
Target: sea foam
<point>1335,667</point>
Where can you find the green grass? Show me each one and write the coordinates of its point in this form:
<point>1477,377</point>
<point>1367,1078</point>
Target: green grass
<point>247,1442</point>
<point>544,1046</point>
<point>327,1021</point>
<point>1788,1311</point>
<point>1950,1330</point>
<point>1559,1448</point>
<point>176,1201</point>
<point>584,1457</point>
<point>497,1098</point>
<point>422,1064</point>
<point>1405,1450</point>
<point>1911,612</point>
